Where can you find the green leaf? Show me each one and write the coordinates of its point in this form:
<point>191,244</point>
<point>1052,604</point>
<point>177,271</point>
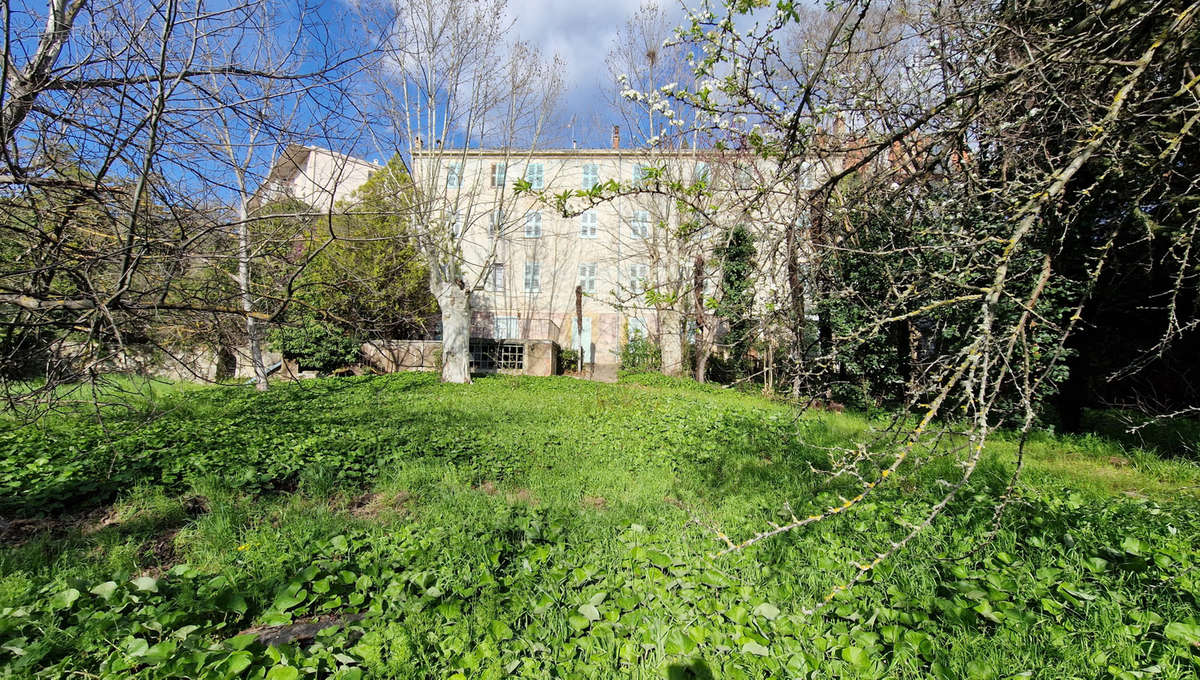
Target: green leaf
<point>160,652</point>
<point>136,647</point>
<point>590,611</point>
<point>1184,633</point>
<point>145,584</point>
<point>105,590</point>
<point>339,543</point>
<point>856,657</point>
<point>501,630</point>
<point>283,673</point>
<point>238,662</point>
<point>64,599</point>
<point>756,649</point>
<point>767,610</point>
<point>578,622</point>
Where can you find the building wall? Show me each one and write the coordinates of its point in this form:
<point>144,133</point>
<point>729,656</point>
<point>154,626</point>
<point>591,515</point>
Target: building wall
<point>634,235</point>
<point>316,176</point>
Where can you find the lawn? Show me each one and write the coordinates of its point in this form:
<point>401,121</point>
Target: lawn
<point>543,528</point>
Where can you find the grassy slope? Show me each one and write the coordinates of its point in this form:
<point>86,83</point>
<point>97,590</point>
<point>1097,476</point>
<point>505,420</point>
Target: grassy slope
<point>500,511</point>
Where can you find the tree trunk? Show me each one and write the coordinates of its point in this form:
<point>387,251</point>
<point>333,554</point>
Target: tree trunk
<point>670,333</point>
<point>455,303</point>
<point>247,298</point>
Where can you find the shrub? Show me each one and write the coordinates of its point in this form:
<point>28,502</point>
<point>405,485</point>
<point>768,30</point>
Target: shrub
<point>315,345</point>
<point>640,354</point>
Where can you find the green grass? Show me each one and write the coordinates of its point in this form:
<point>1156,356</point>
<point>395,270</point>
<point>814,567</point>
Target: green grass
<point>537,528</point>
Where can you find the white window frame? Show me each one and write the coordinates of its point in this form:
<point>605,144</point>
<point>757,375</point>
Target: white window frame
<point>587,276</point>
<point>506,327</point>
<point>589,224</point>
<point>594,176</point>
<point>637,327</point>
<point>496,279</point>
<point>496,227</point>
<point>701,173</point>
<point>453,175</point>
<point>456,225</point>
<point>639,223</point>
<point>533,277</point>
<point>535,174</point>
<point>533,225</point>
<point>499,174</point>
<point>638,275</point>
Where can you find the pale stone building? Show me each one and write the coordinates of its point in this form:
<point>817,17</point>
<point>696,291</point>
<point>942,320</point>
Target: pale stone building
<point>318,177</point>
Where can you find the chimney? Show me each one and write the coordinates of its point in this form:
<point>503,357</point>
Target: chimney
<point>417,143</point>
<point>616,137</point>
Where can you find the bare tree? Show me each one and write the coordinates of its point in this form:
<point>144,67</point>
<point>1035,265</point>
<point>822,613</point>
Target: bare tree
<point>116,195</point>
<point>455,81</point>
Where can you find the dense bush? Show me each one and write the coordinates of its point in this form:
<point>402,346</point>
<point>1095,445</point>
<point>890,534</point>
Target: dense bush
<point>316,345</point>
<point>640,353</point>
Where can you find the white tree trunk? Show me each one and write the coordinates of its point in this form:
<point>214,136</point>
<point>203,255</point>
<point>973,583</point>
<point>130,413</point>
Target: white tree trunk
<point>247,297</point>
<point>455,304</point>
<point>670,330</point>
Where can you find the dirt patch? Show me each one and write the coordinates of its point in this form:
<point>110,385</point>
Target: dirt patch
<point>489,487</point>
<point>1117,461</point>
<point>161,549</point>
<point>371,505</point>
<point>524,496</point>
<point>595,502</point>
<point>301,630</point>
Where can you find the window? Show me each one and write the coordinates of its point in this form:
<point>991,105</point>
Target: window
<point>453,175</point>
<point>591,175</point>
<point>700,173</point>
<point>589,224</point>
<point>640,223</point>
<point>456,225</point>
<point>497,277</point>
<point>638,328</point>
<point>499,170</point>
<point>743,176</point>
<point>640,173</point>
<point>506,327</point>
<point>638,273</point>
<point>535,175</point>
<point>497,223</point>
<point>533,277</point>
<point>587,277</point>
<point>533,225</point>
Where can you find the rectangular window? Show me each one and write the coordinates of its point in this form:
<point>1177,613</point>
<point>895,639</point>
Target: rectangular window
<point>638,273</point>
<point>456,225</point>
<point>743,176</point>
<point>639,173</point>
<point>700,173</point>
<point>591,175</point>
<point>640,223</point>
<point>507,327</point>
<point>497,277</point>
<point>496,224</point>
<point>533,277</point>
<point>453,175</point>
<point>638,328</point>
<point>533,225</point>
<point>499,170</point>
<point>587,277</point>
<point>535,175</point>
<point>589,224</point>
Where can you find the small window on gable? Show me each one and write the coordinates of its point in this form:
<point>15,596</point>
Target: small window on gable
<point>453,175</point>
<point>499,171</point>
<point>640,223</point>
<point>589,224</point>
<point>591,175</point>
<point>533,225</point>
<point>535,174</point>
<point>587,277</point>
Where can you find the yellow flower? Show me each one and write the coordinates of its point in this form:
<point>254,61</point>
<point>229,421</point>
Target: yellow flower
<point>243,546</point>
